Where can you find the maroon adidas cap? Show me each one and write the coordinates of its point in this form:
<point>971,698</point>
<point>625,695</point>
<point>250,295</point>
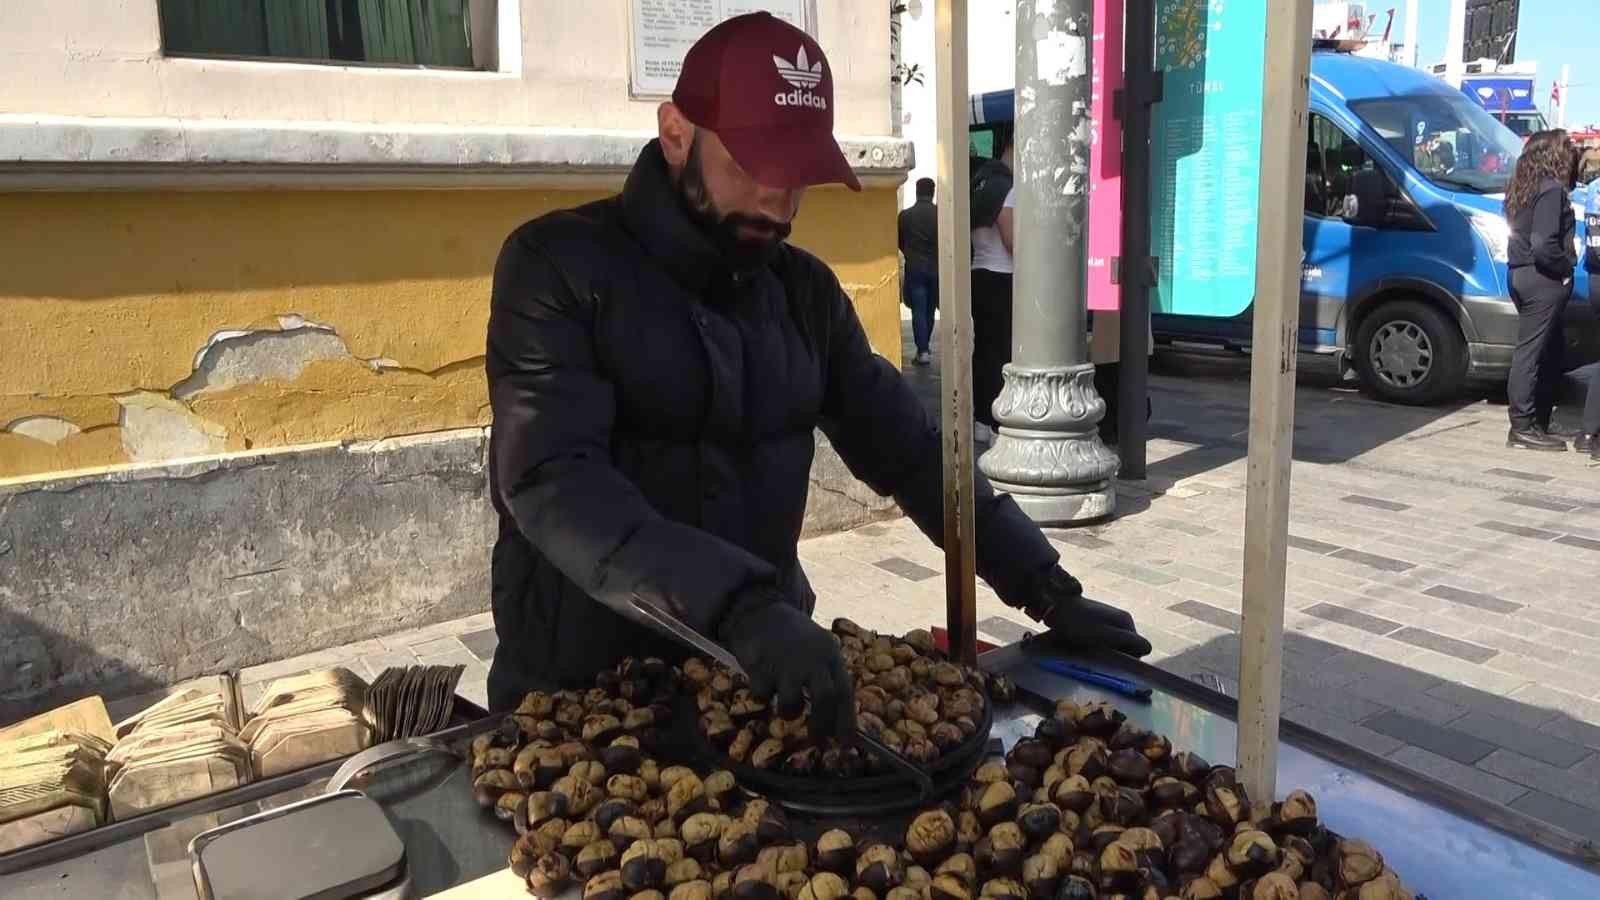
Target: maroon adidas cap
<point>766,89</point>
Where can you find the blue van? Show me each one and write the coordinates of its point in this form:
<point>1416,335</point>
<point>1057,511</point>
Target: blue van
<point>1405,239</point>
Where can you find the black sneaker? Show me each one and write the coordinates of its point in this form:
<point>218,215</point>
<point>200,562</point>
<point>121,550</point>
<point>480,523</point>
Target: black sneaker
<point>1560,431</point>
<point>1534,439</point>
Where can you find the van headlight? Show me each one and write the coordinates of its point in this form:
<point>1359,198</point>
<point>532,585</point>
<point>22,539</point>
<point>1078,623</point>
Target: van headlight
<point>1495,232</point>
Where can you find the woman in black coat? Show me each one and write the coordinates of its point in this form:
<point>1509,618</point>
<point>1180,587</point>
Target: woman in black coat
<point>1542,259</point>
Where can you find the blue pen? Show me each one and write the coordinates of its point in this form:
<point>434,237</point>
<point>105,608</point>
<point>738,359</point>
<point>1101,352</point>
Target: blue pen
<point>1100,679</point>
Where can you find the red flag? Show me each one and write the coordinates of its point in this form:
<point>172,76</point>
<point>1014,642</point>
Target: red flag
<point>1555,93</point>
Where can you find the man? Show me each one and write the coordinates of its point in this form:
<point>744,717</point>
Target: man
<point>993,217</point>
<point>657,362</point>
<point>919,241</point>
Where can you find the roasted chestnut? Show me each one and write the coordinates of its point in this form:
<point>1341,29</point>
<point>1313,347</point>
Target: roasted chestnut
<point>605,886</point>
<point>1033,753</point>
<point>770,821</point>
<point>737,845</point>
<point>752,882</point>
<point>968,829</point>
<point>1076,887</point>
<point>1168,792</point>
<point>488,786</point>
<point>1359,862</point>
<point>579,795</point>
<point>949,887</point>
<point>1085,758</point>
<point>878,868</point>
<point>1001,851</point>
<point>1220,874</point>
<point>1003,889</point>
<point>527,850</point>
<point>682,870</point>
<point>960,865</point>
<point>1129,767</point>
<point>1100,719</point>
<point>1189,858</point>
<point>743,743</point>
<point>1119,866</point>
<point>784,858</point>
<point>1059,847</point>
<point>1002,688</point>
<point>1126,808</point>
<point>685,797</point>
<point>1252,854</point>
<point>1039,820</point>
<point>628,829</point>
<point>931,836</point>
<point>691,890</point>
<point>1041,875</point>
<point>597,857</point>
<point>997,803</point>
<point>1298,813</point>
<point>1074,793</point>
<point>767,754</point>
<point>1226,803</point>
<point>825,886</point>
<point>947,736</point>
<point>642,866</point>
<point>1310,890</point>
<point>1271,886</point>
<point>549,876</point>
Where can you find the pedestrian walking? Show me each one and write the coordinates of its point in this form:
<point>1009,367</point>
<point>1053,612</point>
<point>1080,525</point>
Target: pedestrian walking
<point>919,242</point>
<point>994,201</point>
<point>1542,258</point>
<point>658,362</point>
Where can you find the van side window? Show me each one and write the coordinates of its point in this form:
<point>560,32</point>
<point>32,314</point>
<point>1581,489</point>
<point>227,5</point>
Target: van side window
<point>1333,160</point>
<point>1338,171</point>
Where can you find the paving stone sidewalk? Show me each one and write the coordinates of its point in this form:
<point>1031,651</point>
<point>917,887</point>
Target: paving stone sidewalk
<point>1442,603</point>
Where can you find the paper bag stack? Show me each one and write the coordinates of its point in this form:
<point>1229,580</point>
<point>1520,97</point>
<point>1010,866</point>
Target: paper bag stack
<point>185,746</point>
<point>306,719</point>
<point>52,775</point>
<point>413,700</point>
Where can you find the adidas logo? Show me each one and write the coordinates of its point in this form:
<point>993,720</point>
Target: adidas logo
<point>804,75</point>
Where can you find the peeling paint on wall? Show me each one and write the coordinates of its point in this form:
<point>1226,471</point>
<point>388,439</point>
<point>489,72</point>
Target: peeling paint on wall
<point>156,427</point>
<point>225,321</point>
<point>49,429</point>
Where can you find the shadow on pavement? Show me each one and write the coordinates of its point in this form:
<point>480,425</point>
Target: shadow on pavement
<point>1534,759</point>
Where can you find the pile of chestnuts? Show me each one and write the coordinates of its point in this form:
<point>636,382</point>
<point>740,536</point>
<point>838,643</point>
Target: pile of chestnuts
<point>1092,807</point>
<point>908,694</point>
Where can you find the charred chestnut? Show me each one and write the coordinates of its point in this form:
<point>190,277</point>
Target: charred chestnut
<point>549,876</point>
<point>1039,820</point>
<point>605,886</point>
<point>931,836</point>
<point>595,858</point>
<point>879,868</point>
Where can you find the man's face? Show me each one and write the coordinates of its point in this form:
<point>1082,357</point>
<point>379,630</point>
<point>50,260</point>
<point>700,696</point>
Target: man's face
<point>747,220</point>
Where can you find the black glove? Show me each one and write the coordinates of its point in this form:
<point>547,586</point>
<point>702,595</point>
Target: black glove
<point>787,654</point>
<point>1076,623</point>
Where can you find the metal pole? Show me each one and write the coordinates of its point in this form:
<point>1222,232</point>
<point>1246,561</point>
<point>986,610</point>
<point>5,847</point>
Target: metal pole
<point>1286,81</point>
<point>1408,56</point>
<point>1048,453</point>
<point>955,303</point>
<point>1455,42</point>
<point>1141,89</point>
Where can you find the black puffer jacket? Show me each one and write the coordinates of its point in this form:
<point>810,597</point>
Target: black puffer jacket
<point>653,433</point>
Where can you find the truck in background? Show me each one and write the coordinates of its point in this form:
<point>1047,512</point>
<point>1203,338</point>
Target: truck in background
<point>1509,97</point>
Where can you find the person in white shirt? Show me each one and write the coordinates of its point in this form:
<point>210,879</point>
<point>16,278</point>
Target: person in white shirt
<point>992,268</point>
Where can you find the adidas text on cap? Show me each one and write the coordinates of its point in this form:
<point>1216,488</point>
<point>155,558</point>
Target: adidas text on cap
<point>766,89</point>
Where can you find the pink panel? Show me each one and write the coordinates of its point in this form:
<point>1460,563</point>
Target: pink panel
<point>1105,157</point>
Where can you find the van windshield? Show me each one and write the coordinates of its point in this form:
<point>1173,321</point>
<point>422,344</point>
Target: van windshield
<point>1451,140</point>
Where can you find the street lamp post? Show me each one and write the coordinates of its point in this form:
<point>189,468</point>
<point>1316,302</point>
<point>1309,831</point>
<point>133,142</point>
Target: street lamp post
<point>1047,453</point>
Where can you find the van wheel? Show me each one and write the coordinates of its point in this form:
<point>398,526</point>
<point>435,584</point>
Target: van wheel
<point>1409,352</point>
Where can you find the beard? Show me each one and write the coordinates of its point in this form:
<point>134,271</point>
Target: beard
<point>746,242</point>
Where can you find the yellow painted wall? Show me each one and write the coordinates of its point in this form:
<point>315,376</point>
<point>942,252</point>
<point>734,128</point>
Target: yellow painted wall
<point>107,298</point>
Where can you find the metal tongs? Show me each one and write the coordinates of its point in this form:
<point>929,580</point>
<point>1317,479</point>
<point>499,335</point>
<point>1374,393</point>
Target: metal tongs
<point>676,629</point>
